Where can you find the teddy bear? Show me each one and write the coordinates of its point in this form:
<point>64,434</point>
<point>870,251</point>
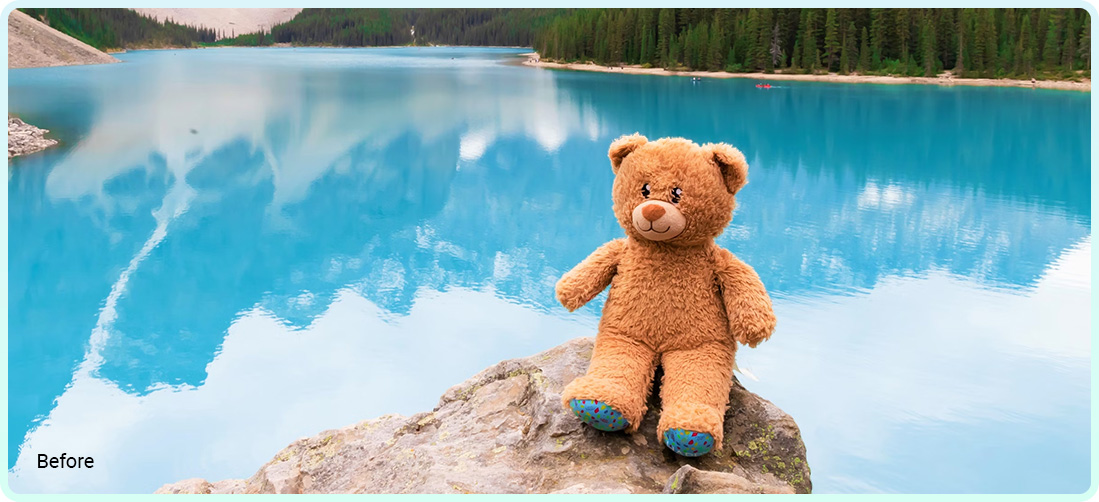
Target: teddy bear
<point>676,299</point>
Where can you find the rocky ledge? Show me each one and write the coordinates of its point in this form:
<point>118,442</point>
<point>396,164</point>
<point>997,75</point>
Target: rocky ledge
<point>24,138</point>
<point>505,431</point>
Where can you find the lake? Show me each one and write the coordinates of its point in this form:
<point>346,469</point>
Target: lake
<point>234,248</point>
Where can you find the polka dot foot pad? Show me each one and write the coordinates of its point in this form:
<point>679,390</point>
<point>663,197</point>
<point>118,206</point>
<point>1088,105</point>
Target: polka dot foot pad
<point>598,414</point>
<point>688,443</point>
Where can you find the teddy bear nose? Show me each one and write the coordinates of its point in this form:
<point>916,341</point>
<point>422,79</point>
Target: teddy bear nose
<point>652,212</point>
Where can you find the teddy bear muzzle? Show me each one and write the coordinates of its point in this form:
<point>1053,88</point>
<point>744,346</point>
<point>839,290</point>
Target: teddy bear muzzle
<point>657,220</point>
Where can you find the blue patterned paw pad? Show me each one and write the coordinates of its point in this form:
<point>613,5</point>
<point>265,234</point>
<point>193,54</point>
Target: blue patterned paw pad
<point>598,414</point>
<point>688,443</point>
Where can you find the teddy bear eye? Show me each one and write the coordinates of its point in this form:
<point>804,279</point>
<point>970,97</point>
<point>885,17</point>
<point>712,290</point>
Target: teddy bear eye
<point>676,195</point>
<point>645,190</point>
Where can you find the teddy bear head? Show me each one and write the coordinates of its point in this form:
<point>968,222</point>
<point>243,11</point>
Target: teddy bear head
<point>673,191</point>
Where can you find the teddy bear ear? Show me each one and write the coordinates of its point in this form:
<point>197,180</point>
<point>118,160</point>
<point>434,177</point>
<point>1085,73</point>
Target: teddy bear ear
<point>734,168</point>
<point>624,146</point>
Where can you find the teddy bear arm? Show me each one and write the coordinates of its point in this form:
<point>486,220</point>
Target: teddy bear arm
<point>751,316</point>
<point>591,276</point>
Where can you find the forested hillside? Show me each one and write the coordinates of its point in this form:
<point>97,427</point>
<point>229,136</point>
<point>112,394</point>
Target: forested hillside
<point>970,42</point>
<point>345,27</point>
<point>373,27</point>
<point>1019,43</point>
<point>107,29</point>
<point>494,27</point>
<point>124,28</point>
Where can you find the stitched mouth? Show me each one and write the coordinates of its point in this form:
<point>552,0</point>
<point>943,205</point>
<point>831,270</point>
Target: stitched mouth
<point>652,228</point>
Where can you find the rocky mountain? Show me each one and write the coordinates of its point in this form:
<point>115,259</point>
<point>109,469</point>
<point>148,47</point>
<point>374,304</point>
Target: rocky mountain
<point>227,22</point>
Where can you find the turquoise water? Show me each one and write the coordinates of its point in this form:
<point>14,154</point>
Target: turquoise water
<point>235,248</point>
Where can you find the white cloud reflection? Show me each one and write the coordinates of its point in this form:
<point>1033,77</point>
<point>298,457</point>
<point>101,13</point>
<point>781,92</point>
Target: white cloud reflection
<point>178,114</point>
<point>897,369</point>
<point>272,383</point>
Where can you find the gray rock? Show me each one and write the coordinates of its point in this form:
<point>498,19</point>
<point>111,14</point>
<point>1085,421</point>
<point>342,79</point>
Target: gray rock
<point>505,431</point>
<point>201,486</point>
<point>193,486</point>
<point>24,138</point>
<point>690,480</point>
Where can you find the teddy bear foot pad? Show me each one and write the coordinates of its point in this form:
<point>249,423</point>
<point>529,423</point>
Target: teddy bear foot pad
<point>688,443</point>
<point>598,415</point>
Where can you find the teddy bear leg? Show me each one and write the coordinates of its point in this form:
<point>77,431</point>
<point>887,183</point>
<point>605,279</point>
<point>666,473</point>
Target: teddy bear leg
<point>694,394</point>
<point>612,395</point>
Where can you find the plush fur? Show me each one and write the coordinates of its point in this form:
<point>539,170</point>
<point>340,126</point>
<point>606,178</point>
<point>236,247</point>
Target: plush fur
<point>681,302</point>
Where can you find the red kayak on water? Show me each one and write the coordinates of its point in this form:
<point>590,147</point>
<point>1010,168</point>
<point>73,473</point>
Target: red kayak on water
<point>763,86</point>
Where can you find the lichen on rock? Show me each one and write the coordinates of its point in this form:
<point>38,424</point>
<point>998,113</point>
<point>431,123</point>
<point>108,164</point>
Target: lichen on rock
<point>504,431</point>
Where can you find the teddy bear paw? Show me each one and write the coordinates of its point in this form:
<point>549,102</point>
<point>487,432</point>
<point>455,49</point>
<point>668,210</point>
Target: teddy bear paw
<point>688,443</point>
<point>598,415</point>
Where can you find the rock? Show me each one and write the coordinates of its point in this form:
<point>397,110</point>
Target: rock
<point>193,485</point>
<point>690,480</point>
<point>505,431</point>
<point>24,138</point>
<point>201,486</point>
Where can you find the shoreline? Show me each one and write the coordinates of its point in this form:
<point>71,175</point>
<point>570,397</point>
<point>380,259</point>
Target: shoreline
<point>1064,85</point>
<point>288,45</point>
<point>533,60</point>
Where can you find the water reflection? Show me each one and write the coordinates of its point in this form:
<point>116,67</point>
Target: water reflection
<point>930,368</point>
<point>231,243</point>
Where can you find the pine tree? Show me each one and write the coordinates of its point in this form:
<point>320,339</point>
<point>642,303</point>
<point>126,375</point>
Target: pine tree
<point>903,36</point>
<point>717,44</point>
<point>1085,42</point>
<point>810,57</point>
<point>778,56</point>
<point>1051,49</point>
<point>1007,42</point>
<point>946,32</point>
<point>864,52</point>
<point>1068,56</point>
<point>702,46</point>
<point>666,30</point>
<point>877,37</point>
<point>1024,49</point>
<point>849,53</point>
<point>602,51</point>
<point>618,37</point>
<point>831,39</point>
<point>1041,24</point>
<point>765,44</point>
<point>990,63</point>
<point>927,37</point>
<point>984,42</point>
<point>963,29</point>
<point>673,53</point>
<point>991,52</point>
<point>751,38</point>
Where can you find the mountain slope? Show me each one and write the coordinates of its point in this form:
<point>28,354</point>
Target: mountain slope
<point>32,44</point>
<point>226,22</point>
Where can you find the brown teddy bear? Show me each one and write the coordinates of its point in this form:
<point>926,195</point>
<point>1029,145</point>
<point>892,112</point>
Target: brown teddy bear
<point>677,299</point>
